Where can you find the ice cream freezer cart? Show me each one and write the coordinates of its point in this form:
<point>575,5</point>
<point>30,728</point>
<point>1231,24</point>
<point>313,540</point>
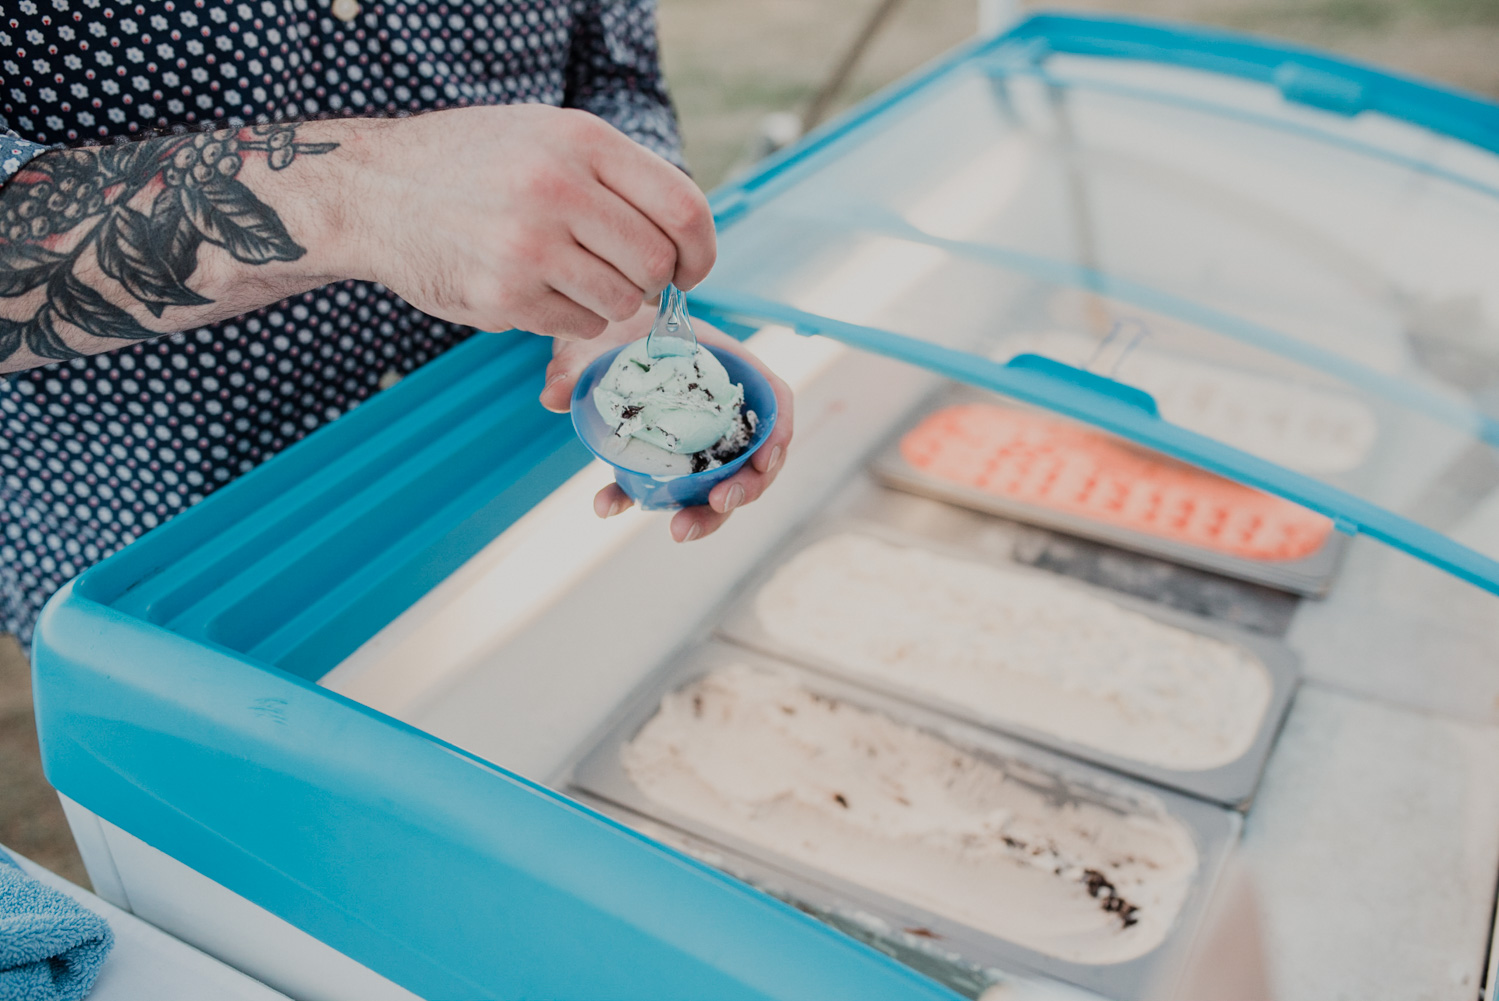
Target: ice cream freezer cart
<point>1142,513</point>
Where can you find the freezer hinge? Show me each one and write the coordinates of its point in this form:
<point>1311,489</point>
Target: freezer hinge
<point>1320,89</point>
<point>1088,382</point>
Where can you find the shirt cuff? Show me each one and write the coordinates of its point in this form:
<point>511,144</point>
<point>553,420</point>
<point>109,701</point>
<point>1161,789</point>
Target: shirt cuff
<point>16,153</point>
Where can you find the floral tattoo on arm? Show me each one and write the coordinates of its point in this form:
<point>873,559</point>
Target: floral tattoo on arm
<point>143,210</point>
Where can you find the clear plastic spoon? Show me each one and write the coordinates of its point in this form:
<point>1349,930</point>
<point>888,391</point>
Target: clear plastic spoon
<point>672,332</point>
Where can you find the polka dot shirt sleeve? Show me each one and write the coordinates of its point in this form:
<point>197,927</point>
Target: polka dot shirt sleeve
<point>615,72</point>
<point>15,152</point>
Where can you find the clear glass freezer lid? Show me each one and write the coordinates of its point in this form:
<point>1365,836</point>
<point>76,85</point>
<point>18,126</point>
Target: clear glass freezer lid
<point>1301,299</point>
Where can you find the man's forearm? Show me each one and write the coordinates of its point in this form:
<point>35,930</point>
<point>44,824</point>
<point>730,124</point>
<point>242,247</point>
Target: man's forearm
<point>112,244</point>
<point>527,216</point>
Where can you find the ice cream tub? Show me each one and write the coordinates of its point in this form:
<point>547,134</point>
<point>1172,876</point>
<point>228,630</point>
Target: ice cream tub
<point>979,451</point>
<point>657,485</point>
<point>913,824</point>
<point>1108,678</point>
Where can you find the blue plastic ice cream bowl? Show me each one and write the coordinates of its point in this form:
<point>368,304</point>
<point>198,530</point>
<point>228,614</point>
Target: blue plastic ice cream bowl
<point>659,493</point>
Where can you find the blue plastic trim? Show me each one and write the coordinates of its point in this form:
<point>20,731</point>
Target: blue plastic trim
<point>306,557</point>
<point>1060,390</point>
<point>1344,86</point>
<point>1085,381</point>
<point>452,877</point>
<point>1328,91</point>
<point>1285,125</point>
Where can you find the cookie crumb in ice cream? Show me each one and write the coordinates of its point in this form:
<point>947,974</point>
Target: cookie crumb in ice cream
<point>1100,889</point>
<point>672,415</point>
<point>730,447</point>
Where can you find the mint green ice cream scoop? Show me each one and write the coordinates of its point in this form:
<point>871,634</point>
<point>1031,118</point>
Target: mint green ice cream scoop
<point>681,403</point>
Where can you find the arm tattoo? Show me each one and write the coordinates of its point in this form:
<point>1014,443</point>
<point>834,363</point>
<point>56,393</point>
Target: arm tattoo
<point>143,210</point>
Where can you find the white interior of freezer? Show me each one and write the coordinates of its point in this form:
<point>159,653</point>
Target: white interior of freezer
<point>1374,842</point>
<point>564,614</point>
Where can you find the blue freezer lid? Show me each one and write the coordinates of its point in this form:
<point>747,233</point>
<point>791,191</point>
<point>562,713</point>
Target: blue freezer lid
<point>1272,264</point>
<point>176,692</point>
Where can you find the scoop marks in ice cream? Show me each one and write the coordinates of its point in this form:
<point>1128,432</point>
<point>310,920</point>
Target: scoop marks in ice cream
<point>1012,646</point>
<point>1051,463</point>
<point>685,405</point>
<point>900,811</point>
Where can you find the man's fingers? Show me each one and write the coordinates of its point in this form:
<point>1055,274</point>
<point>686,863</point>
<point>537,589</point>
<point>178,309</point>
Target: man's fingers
<point>668,198</point>
<point>771,455</point>
<point>611,501</point>
<point>744,487</point>
<point>615,231</point>
<point>571,357</point>
<point>556,315</point>
<point>557,394</point>
<point>693,523</point>
<point>595,284</point>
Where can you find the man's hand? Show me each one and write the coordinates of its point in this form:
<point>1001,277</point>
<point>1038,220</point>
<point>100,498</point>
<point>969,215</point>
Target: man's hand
<point>525,216</point>
<point>515,216</point>
<point>569,358</point>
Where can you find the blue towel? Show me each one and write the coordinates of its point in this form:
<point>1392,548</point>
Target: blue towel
<point>51,948</point>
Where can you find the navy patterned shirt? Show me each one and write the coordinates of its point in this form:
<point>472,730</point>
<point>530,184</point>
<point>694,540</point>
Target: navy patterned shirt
<point>97,450</point>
